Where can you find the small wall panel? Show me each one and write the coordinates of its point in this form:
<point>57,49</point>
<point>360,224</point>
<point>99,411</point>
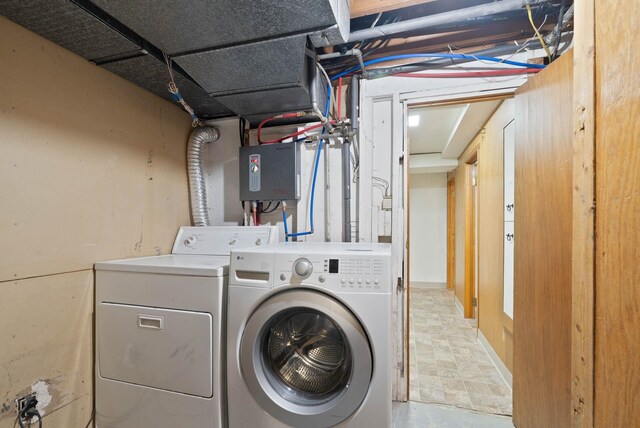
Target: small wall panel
<point>47,339</point>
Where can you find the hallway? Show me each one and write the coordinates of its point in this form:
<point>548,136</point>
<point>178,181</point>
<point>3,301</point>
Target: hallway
<point>448,363</point>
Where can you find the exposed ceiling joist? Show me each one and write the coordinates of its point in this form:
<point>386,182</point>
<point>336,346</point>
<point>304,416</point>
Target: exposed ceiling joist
<point>369,7</point>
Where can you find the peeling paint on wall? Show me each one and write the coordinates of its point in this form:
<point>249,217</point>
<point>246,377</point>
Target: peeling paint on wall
<point>41,389</point>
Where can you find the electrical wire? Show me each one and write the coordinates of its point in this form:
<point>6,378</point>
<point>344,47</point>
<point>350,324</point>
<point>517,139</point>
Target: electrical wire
<point>329,97</point>
<point>29,413</point>
<point>262,209</point>
<point>438,55</point>
<point>384,182</point>
<point>375,21</point>
<point>177,97</point>
<point>472,74</point>
<point>93,414</point>
<point>381,187</point>
<point>270,210</point>
<point>561,13</point>
<point>540,38</point>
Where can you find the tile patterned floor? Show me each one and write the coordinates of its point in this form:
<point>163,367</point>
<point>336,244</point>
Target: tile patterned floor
<point>422,415</point>
<point>448,363</point>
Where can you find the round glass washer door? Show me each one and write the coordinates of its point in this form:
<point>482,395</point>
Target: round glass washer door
<point>306,359</point>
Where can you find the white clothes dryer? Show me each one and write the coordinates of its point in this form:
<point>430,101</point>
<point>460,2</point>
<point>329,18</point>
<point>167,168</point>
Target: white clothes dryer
<point>309,336</point>
<point>160,331</point>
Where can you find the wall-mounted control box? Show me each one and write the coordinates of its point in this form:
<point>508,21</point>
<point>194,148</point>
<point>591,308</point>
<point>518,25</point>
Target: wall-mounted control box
<point>270,172</point>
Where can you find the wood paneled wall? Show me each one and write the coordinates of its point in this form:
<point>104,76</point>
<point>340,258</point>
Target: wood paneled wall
<point>487,146</point>
<point>543,218</point>
<point>617,261</point>
<point>491,318</point>
<point>91,168</point>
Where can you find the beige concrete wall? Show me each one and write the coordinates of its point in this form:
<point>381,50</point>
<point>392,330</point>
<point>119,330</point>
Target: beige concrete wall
<point>91,168</point>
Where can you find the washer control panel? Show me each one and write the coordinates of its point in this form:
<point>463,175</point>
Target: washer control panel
<point>353,274</point>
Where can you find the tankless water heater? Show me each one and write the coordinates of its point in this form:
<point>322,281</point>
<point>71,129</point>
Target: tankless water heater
<point>270,172</point>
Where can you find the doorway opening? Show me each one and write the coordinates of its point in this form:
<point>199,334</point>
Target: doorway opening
<point>447,363</point>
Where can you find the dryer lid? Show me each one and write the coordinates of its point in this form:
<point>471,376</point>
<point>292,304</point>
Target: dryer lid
<point>171,264</point>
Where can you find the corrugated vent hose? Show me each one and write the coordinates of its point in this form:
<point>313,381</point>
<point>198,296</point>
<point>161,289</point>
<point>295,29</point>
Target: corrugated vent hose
<point>197,190</point>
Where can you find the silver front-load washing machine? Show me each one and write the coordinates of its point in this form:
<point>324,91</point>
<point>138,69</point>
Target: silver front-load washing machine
<point>160,327</point>
<point>309,336</point>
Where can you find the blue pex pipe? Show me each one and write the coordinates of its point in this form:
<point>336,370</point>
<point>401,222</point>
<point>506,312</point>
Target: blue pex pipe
<point>438,55</point>
<point>315,176</point>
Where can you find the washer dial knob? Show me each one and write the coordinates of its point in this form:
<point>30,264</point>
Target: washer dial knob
<point>303,268</point>
<point>191,241</point>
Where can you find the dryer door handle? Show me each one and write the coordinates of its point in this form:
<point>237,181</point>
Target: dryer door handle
<point>151,321</point>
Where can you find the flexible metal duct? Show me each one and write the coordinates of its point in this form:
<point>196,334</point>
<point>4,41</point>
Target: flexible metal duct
<point>197,190</point>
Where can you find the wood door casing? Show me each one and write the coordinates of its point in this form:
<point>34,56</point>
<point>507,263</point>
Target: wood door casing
<point>469,239</point>
<point>451,233</point>
<point>542,270</point>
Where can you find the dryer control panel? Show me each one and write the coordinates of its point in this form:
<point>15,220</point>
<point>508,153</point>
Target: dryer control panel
<point>221,240</point>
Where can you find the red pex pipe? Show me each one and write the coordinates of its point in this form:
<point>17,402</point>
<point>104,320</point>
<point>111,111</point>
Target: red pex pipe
<point>295,134</point>
<point>269,119</point>
<point>339,96</point>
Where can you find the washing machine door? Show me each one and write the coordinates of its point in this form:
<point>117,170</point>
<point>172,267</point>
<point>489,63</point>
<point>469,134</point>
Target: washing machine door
<point>306,359</point>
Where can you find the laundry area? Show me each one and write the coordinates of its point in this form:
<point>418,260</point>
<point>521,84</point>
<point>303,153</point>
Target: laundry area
<point>318,213</point>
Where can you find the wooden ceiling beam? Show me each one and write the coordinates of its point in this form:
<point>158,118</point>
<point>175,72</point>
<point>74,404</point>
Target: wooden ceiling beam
<point>369,7</point>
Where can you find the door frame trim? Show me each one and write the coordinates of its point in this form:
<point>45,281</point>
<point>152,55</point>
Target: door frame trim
<point>451,232</point>
<point>469,235</point>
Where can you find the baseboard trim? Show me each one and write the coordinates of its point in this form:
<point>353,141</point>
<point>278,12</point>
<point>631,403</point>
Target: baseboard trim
<point>458,305</point>
<point>495,359</point>
<point>424,284</point>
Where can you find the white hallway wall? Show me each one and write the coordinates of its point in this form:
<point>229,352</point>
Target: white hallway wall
<point>428,232</point>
